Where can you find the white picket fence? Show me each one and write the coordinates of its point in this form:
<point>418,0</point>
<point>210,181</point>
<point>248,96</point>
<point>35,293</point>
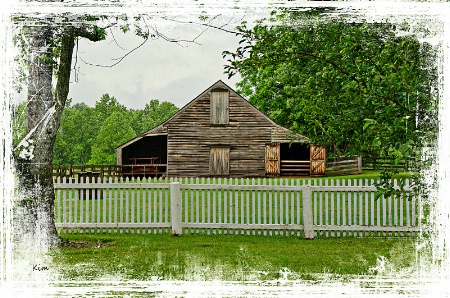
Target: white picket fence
<point>301,207</point>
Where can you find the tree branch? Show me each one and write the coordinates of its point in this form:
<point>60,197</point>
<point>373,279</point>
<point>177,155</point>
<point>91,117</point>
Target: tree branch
<point>92,36</point>
<point>209,25</point>
<point>119,59</point>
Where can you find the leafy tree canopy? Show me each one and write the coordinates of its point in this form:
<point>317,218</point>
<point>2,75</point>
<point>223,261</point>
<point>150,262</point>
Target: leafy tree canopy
<point>153,114</point>
<point>355,86</point>
<point>115,130</point>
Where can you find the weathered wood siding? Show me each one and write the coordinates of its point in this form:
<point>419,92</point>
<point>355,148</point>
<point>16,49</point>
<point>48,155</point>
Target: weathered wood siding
<point>191,134</point>
<point>281,135</point>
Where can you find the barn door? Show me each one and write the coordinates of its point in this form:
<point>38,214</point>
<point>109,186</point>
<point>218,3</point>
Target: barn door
<point>219,107</point>
<point>318,160</point>
<point>273,159</point>
<point>219,161</point>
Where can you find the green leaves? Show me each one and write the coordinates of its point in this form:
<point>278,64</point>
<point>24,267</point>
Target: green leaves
<point>347,84</point>
<point>115,130</point>
<point>368,122</point>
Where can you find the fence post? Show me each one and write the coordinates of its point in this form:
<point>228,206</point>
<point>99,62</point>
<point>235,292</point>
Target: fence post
<point>359,158</point>
<point>175,208</point>
<point>308,228</point>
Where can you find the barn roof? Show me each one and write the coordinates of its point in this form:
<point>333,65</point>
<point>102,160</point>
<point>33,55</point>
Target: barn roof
<point>281,132</point>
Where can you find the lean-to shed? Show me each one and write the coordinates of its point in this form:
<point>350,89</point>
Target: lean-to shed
<point>219,133</point>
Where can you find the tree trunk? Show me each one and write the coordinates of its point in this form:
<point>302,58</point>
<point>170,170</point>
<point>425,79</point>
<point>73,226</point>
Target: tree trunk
<point>35,207</point>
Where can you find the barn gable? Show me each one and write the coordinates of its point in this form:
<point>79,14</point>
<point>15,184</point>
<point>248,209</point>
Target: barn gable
<point>218,133</point>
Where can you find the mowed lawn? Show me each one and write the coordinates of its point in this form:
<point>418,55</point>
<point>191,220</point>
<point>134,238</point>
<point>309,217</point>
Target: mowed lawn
<point>225,257</point>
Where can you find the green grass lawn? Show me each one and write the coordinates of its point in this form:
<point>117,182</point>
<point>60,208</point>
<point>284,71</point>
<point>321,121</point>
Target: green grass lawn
<point>226,257</point>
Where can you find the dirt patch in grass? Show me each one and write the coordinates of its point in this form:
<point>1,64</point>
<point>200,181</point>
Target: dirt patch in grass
<point>87,243</point>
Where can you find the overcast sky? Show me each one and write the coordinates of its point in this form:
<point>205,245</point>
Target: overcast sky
<point>157,70</point>
<point>160,69</point>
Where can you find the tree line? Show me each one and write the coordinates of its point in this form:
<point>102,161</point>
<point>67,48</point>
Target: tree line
<point>89,135</point>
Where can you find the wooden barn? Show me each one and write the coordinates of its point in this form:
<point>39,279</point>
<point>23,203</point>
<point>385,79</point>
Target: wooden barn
<point>219,133</point>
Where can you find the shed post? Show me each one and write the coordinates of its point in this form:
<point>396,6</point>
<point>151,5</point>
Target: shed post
<point>308,228</point>
<point>119,156</point>
<point>175,208</point>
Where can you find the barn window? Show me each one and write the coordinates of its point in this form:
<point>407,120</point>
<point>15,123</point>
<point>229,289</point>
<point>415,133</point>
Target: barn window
<point>219,106</point>
<point>219,161</point>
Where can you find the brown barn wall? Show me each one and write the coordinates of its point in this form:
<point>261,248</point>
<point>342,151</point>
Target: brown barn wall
<point>190,135</point>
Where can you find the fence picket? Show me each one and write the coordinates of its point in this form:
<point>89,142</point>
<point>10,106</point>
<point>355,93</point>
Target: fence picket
<point>191,207</point>
<point>275,206</point>
<point>360,213</point>
<point>340,210</point>
<point>372,206</point>
<point>293,206</point>
<point>395,207</point>
<point>416,217</point>
<point>253,208</point>
<point>326,208</point>
<point>314,197</point>
<point>349,208</point>
<point>160,208</point>
<point>390,214</point>
<point>216,206</point>
<point>115,205</point>
<point>285,218</point>
<point>63,204</point>
<point>264,220</point>
<point>270,207</point>
<point>70,203</point>
<point>208,193</point>
<point>197,205</point>
<point>166,209</point>
<point>144,206</point>
<point>401,203</point>
<point>98,211</point>
<point>132,205</point>
<point>82,199</point>
<point>220,207</point>
<point>225,207</point>
<point>258,205</point>
<point>332,207</point>
<point>203,206</point>
<point>384,212</point>
<point>92,206</point>
<point>366,206</point>
<point>379,219</point>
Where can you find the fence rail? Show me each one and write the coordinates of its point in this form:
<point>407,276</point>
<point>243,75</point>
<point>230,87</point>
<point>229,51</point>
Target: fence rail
<point>377,163</point>
<point>344,165</point>
<point>73,171</point>
<point>300,207</point>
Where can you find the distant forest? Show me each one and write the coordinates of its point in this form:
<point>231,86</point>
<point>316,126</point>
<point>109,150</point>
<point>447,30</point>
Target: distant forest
<point>89,135</point>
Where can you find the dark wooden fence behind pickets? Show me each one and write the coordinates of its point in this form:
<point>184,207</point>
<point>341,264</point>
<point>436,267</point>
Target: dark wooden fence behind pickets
<point>379,163</point>
<point>344,165</point>
<point>335,165</point>
<point>101,170</point>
